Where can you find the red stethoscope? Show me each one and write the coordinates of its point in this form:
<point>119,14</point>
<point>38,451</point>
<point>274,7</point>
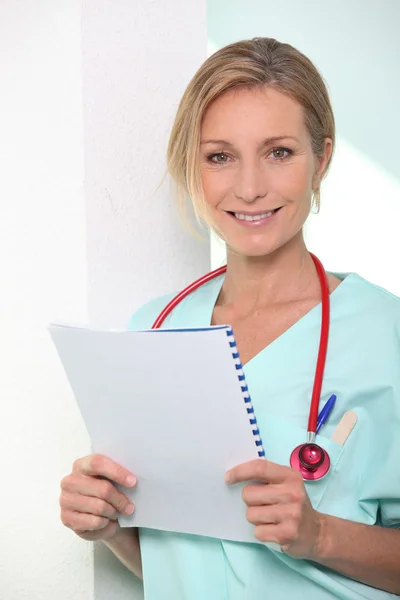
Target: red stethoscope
<point>309,459</point>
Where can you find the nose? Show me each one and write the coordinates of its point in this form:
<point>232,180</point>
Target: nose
<point>250,184</point>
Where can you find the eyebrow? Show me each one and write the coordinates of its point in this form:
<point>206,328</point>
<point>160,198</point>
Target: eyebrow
<point>266,142</point>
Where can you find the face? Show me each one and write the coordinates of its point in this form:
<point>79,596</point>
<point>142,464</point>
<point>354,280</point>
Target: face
<point>258,169</point>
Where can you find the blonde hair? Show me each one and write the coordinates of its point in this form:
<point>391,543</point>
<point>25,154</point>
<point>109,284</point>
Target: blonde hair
<point>250,64</point>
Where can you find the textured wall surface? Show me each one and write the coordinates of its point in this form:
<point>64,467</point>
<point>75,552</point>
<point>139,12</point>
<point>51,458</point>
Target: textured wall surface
<point>77,254</point>
<point>43,275</point>
<point>137,60</point>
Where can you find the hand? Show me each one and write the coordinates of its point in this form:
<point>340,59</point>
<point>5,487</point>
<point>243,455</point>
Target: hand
<point>89,501</point>
<point>279,507</point>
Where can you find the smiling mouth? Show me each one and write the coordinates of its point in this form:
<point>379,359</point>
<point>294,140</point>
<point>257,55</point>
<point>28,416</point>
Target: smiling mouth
<point>262,216</point>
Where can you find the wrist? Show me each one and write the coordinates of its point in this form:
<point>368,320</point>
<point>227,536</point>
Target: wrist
<point>121,536</point>
<point>323,538</point>
<point>126,547</point>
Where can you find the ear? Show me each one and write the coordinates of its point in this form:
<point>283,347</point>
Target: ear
<point>321,163</point>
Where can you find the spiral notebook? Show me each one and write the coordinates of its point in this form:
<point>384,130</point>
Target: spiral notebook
<point>173,407</point>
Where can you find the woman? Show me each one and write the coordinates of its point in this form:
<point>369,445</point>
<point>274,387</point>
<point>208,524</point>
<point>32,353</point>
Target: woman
<point>252,141</point>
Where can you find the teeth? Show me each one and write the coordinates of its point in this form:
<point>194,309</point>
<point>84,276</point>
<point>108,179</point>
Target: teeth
<point>253,217</point>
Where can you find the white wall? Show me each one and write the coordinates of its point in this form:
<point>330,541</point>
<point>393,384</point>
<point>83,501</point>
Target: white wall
<point>137,60</point>
<point>138,57</point>
<point>86,92</point>
<point>356,46</point>
<point>43,274</point>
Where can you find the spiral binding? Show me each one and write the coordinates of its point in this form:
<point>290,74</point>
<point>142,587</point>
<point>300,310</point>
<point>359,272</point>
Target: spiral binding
<point>245,391</point>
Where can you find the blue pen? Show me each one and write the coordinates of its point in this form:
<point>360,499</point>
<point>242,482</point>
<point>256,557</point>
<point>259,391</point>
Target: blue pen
<point>325,412</point>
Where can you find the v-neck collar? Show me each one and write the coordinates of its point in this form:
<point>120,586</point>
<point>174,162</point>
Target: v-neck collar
<point>212,289</point>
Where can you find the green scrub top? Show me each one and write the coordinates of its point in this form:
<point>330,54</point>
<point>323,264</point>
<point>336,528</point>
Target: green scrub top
<point>363,484</point>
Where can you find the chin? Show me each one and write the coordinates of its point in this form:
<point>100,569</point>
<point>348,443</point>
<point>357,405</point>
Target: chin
<point>253,250</point>
<point>256,246</point>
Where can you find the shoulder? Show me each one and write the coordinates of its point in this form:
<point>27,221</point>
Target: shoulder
<point>366,321</point>
<point>145,316</point>
<point>377,298</point>
<point>192,311</point>
<point>365,299</point>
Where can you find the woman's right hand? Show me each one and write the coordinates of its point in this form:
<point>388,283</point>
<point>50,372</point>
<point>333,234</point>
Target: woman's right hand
<point>90,503</point>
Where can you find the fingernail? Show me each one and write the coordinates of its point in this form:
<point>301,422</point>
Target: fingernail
<point>130,480</point>
<point>227,477</point>
<point>129,509</point>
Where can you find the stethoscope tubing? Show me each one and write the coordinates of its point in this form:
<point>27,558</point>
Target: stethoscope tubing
<point>312,471</point>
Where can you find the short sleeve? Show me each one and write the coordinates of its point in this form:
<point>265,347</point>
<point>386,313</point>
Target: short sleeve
<point>379,477</point>
<point>145,316</point>
<point>364,484</point>
<point>389,489</point>
<point>389,498</point>
<point>385,435</point>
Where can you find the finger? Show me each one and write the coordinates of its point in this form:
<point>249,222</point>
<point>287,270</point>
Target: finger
<point>88,504</point>
<point>81,522</point>
<point>97,488</point>
<point>258,470</point>
<point>97,465</point>
<point>264,515</point>
<point>101,534</point>
<point>287,518</point>
<point>261,494</point>
<point>283,534</point>
<point>267,533</point>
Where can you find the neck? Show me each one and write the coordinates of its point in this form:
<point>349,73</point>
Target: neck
<point>282,276</point>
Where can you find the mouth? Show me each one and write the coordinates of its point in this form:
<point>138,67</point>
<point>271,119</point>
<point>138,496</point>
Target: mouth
<point>254,219</point>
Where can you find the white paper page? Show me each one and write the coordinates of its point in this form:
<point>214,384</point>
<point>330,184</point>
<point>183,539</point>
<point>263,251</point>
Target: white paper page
<point>168,406</point>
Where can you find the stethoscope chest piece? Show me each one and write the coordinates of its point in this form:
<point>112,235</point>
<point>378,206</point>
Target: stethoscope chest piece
<point>311,461</point>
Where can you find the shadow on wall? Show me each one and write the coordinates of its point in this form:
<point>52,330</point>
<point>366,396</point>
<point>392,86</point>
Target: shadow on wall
<point>355,45</point>
<point>112,580</point>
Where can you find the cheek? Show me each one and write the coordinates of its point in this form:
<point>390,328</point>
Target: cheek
<point>215,186</point>
<point>296,182</point>
<point>292,183</point>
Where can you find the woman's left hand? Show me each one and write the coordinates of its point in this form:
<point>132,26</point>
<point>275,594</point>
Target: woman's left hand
<point>279,507</point>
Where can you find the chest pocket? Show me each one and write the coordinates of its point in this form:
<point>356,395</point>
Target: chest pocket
<point>281,436</point>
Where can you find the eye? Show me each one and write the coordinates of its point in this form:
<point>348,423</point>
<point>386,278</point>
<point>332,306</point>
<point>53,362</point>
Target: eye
<point>218,158</point>
<point>279,153</point>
